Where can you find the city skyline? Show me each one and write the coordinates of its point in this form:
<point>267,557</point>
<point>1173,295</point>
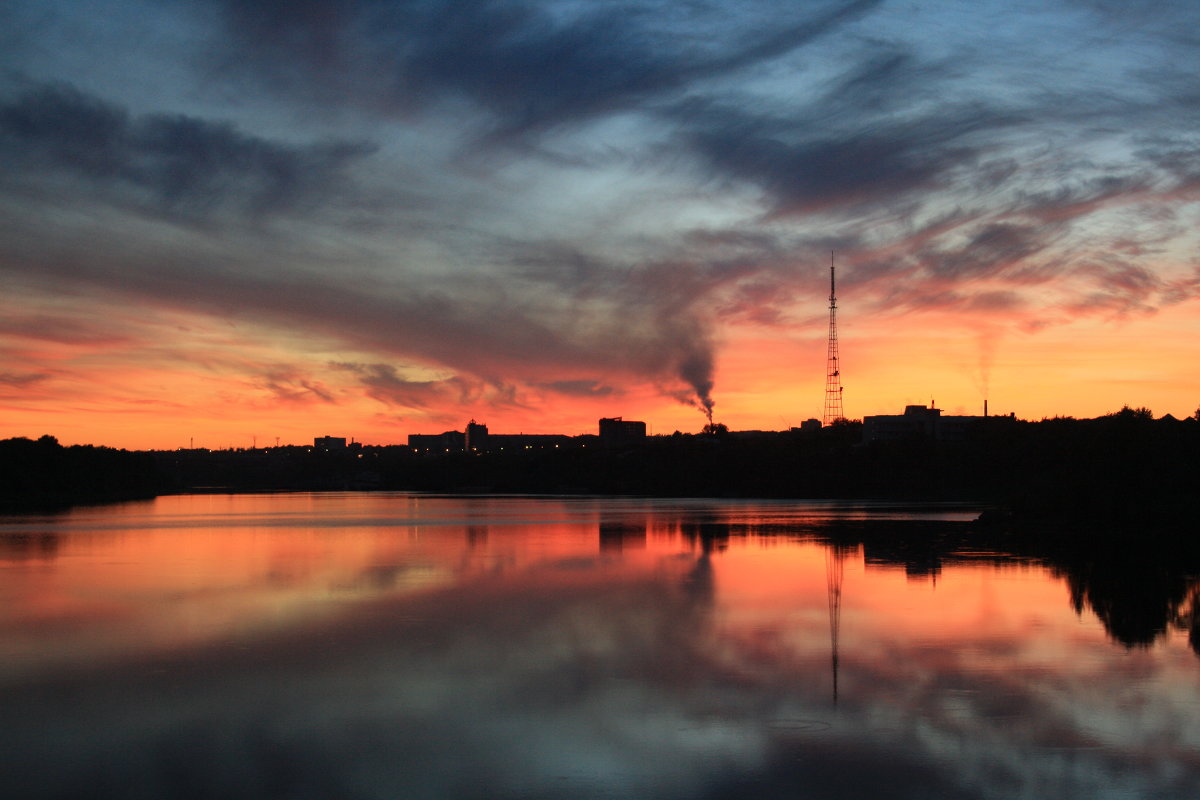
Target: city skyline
<point>223,221</point>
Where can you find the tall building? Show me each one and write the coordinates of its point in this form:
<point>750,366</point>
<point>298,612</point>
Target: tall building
<point>476,436</point>
<point>616,430</point>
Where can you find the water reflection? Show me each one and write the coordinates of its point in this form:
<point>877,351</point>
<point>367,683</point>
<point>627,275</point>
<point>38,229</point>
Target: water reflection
<point>37,546</point>
<point>425,647</point>
<point>1137,598</point>
<point>620,535</point>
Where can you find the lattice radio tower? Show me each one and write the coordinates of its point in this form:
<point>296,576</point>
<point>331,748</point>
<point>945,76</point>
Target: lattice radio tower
<point>833,373</point>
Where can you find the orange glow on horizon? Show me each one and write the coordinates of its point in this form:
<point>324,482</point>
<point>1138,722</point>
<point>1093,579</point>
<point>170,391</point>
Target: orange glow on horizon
<point>240,386</point>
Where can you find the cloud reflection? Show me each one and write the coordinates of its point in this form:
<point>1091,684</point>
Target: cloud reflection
<point>596,675</point>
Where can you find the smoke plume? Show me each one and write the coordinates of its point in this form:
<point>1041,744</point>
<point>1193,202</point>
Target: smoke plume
<point>696,369</point>
<point>986,341</point>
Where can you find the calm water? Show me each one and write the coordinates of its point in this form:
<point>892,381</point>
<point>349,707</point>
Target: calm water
<point>403,646</point>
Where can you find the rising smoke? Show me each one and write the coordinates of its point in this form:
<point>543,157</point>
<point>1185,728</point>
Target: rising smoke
<point>986,341</point>
<point>696,369</point>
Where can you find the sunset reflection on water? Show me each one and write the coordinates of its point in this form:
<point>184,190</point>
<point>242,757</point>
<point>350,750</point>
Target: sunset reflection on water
<point>391,644</point>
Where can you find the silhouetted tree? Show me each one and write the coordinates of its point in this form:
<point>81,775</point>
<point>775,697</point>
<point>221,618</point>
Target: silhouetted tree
<point>44,474</point>
<point>1142,414</point>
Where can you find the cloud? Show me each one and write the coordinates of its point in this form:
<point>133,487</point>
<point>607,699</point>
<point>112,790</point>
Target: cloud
<point>646,328</point>
<point>289,385</point>
<point>546,199</point>
<point>384,383</point>
<point>530,67</point>
<point>63,328</point>
<point>992,249</point>
<point>803,167</point>
<point>580,388</point>
<point>20,380</point>
<point>174,163</point>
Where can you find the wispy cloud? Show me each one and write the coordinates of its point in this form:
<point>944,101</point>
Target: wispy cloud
<point>529,67</point>
<point>21,380</point>
<point>289,385</point>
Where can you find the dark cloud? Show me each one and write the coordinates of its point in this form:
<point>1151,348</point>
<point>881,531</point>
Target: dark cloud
<point>996,301</point>
<point>762,301</point>
<point>650,326</point>
<point>62,329</point>
<point>178,164</point>
<point>1177,156</point>
<point>1182,289</point>
<point>991,249</point>
<point>803,167</point>
<point>21,380</point>
<point>384,383</point>
<point>884,79</point>
<point>1125,278</point>
<point>1075,197</point>
<point>289,384</point>
<point>530,67</point>
<point>1118,288</point>
<point>655,317</point>
<point>923,298</point>
<point>580,388</point>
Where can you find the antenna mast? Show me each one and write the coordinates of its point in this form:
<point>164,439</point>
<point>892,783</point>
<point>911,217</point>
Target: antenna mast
<point>833,373</point>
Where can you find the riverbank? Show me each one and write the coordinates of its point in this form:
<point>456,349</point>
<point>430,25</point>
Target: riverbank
<point>1124,471</point>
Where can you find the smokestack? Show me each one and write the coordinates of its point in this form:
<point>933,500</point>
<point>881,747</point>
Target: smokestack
<point>985,406</point>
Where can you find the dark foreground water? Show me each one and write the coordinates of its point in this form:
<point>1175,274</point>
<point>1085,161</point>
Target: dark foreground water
<point>402,646</point>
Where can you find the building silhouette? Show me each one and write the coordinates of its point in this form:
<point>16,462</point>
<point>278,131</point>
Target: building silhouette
<point>445,442</point>
<point>475,438</point>
<point>917,421</point>
<point>618,431</point>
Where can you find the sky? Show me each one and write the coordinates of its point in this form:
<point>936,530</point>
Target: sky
<point>230,222</point>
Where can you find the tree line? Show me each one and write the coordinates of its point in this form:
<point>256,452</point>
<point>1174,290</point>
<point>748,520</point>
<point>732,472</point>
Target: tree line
<point>1125,468</point>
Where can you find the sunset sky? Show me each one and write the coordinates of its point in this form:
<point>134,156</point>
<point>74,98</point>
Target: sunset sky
<point>223,220</point>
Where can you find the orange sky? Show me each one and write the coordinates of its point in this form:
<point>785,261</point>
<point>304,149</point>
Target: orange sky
<point>131,392</point>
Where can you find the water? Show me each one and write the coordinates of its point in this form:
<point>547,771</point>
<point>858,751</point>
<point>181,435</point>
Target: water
<point>406,646</point>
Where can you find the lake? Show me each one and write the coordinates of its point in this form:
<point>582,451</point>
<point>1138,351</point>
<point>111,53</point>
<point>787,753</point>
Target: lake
<point>390,645</point>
